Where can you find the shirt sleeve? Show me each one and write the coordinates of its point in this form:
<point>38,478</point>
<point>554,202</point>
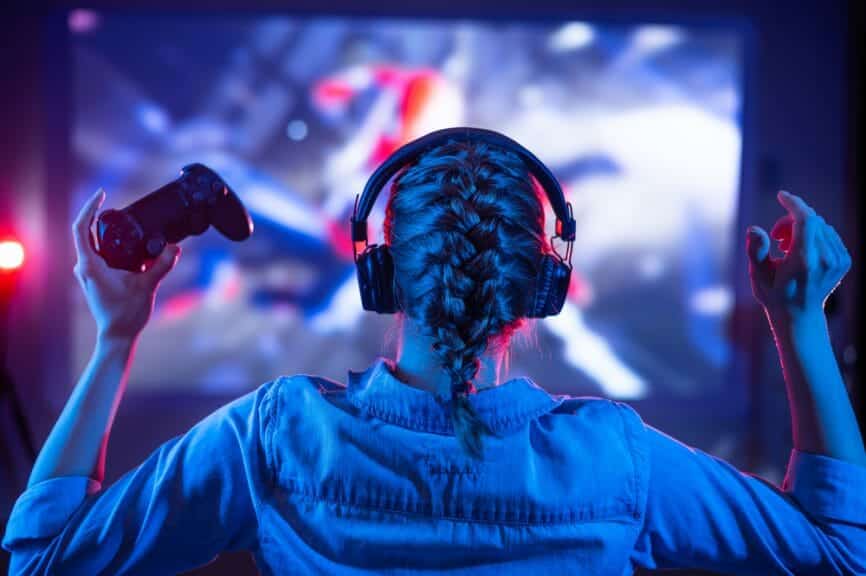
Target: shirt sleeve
<point>193,497</point>
<point>701,512</point>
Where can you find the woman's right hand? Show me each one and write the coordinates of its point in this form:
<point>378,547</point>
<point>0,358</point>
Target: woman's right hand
<point>814,261</point>
<point>120,301</point>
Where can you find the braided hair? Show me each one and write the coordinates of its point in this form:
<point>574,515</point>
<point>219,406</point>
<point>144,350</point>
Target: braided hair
<point>465,226</point>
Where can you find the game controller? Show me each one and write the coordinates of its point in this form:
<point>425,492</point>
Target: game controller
<point>187,206</point>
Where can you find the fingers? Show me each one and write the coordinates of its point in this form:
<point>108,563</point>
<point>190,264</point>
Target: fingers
<point>162,265</point>
<point>757,244</point>
<point>761,265</point>
<point>802,228</point>
<point>783,232</point>
<point>828,253</point>
<point>81,227</point>
<point>795,205</point>
<point>805,226</point>
<point>842,254</point>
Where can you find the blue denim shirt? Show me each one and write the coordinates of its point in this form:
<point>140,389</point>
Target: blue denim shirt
<point>319,478</point>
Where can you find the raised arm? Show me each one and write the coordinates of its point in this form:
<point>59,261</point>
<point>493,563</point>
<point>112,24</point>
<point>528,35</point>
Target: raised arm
<point>121,303</point>
<point>701,512</point>
<point>193,497</point>
<point>793,290</point>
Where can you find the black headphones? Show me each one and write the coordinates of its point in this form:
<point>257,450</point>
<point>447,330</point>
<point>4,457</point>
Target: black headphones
<point>376,266</point>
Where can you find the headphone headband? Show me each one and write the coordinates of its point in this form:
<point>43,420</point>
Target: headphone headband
<point>408,153</point>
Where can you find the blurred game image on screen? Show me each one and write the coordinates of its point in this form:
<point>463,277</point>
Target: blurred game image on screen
<point>640,123</point>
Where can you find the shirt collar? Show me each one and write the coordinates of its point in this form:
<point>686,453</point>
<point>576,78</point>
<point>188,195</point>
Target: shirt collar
<point>503,408</point>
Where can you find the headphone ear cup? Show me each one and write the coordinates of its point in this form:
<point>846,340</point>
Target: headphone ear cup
<point>551,287</point>
<point>376,279</point>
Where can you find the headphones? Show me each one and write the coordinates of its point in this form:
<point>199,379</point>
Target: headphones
<point>376,266</point>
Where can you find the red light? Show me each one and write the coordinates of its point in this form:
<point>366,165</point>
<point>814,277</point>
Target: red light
<point>11,255</point>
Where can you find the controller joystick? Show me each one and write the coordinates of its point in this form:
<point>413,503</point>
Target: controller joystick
<point>187,206</point>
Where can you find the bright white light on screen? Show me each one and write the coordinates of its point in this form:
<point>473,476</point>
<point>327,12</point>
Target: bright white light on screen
<point>456,66</point>
<point>572,36</point>
<point>649,39</point>
<point>669,158</point>
<point>284,210</point>
<point>342,314</point>
<point>153,118</point>
<point>296,130</point>
<point>590,353</point>
<point>531,95</point>
<point>712,301</point>
<point>650,267</point>
<point>358,77</point>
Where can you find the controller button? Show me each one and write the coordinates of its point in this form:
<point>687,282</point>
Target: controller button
<point>155,246</point>
<point>218,186</point>
<point>198,196</point>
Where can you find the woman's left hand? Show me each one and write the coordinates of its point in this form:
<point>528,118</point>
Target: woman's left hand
<point>120,301</point>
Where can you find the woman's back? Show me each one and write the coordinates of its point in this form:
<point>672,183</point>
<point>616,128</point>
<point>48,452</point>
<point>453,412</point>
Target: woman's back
<point>370,478</point>
<point>316,478</point>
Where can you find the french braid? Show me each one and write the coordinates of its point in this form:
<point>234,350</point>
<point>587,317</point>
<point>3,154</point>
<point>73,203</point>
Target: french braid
<point>466,228</point>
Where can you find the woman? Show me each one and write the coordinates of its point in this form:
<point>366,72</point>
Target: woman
<point>383,476</point>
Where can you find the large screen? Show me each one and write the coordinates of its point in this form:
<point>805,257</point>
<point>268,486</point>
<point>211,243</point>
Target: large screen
<point>640,123</point>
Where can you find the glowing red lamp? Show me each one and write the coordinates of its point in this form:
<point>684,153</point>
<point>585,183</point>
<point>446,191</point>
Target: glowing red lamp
<point>11,255</point>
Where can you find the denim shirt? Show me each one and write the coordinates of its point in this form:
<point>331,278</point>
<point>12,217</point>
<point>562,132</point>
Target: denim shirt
<point>315,477</point>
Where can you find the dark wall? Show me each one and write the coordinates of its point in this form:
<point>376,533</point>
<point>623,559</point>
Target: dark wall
<point>799,134</point>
